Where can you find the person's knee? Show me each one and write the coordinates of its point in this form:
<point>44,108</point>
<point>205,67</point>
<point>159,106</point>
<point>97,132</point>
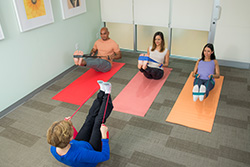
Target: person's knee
<point>105,70</point>
<point>157,78</point>
<point>158,75</point>
<point>108,113</point>
<point>111,106</point>
<point>196,80</point>
<point>103,67</point>
<point>207,93</point>
<point>141,70</point>
<point>148,76</point>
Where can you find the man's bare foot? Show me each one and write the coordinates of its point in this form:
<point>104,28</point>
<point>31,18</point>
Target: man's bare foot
<point>76,59</point>
<point>82,62</point>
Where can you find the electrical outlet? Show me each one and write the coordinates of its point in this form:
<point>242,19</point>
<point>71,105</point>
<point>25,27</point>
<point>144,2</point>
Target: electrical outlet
<point>76,46</point>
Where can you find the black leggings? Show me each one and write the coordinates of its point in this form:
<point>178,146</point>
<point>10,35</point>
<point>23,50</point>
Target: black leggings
<point>90,130</point>
<point>152,73</point>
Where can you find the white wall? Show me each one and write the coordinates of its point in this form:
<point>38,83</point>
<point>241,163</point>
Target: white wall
<point>32,58</point>
<point>232,37</point>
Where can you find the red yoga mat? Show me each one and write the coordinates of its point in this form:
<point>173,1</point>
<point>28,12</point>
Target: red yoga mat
<point>79,91</point>
<point>139,94</point>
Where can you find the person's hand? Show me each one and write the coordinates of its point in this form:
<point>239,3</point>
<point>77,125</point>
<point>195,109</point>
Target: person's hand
<point>163,65</point>
<point>104,131</point>
<point>210,76</point>
<point>197,75</point>
<point>78,52</point>
<point>112,57</point>
<point>68,119</point>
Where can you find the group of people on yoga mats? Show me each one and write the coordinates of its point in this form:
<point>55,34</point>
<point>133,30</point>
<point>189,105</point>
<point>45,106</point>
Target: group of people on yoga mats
<point>91,144</point>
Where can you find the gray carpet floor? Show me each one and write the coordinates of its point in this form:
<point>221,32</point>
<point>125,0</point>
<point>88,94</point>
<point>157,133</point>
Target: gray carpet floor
<point>137,141</point>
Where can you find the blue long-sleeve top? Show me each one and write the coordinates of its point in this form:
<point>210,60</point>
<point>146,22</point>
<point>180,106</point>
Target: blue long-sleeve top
<point>81,153</point>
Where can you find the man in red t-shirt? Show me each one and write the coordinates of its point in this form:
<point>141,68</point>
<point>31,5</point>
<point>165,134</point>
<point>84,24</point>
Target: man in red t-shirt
<point>107,50</point>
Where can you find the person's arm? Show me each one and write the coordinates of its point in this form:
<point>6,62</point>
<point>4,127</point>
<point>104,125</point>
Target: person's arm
<point>104,131</point>
<point>75,131</point>
<point>148,51</point>
<point>217,70</point>
<point>196,68</point>
<point>93,51</point>
<point>166,59</point>
<point>117,55</point>
<point>68,119</point>
<point>92,156</point>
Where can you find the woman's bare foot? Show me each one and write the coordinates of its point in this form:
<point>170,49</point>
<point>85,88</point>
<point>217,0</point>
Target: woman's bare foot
<point>145,62</point>
<point>140,62</point>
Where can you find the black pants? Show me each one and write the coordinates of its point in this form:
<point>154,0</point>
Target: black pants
<point>152,73</point>
<point>90,130</point>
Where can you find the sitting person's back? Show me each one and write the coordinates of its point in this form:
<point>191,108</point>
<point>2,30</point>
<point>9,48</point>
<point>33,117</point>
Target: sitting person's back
<point>90,145</point>
<point>81,153</point>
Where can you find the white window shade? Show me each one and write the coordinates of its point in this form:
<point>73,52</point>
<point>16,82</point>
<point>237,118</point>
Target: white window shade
<point>117,11</point>
<point>192,14</point>
<point>232,37</point>
<point>151,12</point>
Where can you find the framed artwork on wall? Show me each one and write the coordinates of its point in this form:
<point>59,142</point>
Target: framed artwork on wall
<point>33,13</point>
<point>72,8</point>
<point>1,33</point>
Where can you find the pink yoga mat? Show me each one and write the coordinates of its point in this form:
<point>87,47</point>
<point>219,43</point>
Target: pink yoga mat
<point>139,94</point>
<point>79,91</point>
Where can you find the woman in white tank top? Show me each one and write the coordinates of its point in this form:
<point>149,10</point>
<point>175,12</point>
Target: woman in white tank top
<point>160,56</point>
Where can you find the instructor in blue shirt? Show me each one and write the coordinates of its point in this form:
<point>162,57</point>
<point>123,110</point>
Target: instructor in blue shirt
<point>90,146</point>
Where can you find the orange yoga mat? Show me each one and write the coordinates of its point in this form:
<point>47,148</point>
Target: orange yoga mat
<point>139,94</point>
<point>79,91</point>
<point>197,115</point>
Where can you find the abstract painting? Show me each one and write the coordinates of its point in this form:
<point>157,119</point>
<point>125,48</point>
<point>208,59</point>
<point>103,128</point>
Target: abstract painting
<point>33,13</point>
<point>72,8</point>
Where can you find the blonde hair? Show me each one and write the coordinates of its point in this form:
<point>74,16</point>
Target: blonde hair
<point>59,133</point>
